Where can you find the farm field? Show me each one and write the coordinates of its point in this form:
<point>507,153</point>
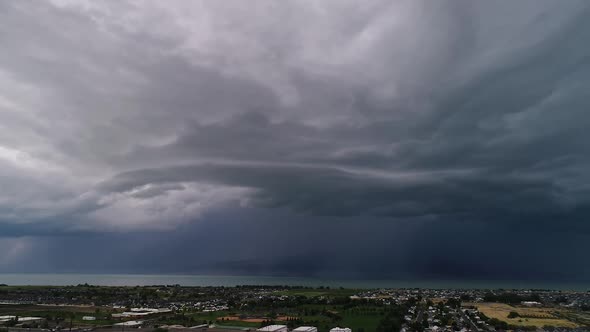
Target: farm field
<point>530,316</point>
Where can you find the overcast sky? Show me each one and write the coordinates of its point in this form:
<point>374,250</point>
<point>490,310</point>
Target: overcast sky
<point>365,139</point>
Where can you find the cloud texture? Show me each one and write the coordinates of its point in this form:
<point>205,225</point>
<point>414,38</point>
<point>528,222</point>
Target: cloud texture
<point>417,119</point>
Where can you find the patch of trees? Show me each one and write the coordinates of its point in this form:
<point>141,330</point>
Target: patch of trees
<point>498,324</point>
<point>510,298</point>
<point>341,300</point>
<point>466,297</point>
<point>513,314</point>
<point>392,320</point>
<point>454,303</point>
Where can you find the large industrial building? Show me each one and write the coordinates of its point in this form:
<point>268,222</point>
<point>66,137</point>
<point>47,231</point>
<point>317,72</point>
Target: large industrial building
<point>274,328</point>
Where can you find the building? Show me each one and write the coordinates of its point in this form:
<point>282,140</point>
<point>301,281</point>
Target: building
<point>30,320</point>
<point>274,328</point>
<point>134,314</point>
<point>88,318</point>
<point>306,329</point>
<point>225,329</point>
<point>131,323</point>
<point>150,310</point>
<point>141,312</point>
<point>341,329</point>
<point>532,303</point>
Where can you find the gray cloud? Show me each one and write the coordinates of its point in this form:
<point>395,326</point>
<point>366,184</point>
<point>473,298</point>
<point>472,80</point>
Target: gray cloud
<point>151,117</point>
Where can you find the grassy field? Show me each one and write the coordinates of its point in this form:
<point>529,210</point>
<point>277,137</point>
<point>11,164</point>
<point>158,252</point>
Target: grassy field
<point>76,312</point>
<point>531,316</point>
<point>582,318</point>
<point>367,318</point>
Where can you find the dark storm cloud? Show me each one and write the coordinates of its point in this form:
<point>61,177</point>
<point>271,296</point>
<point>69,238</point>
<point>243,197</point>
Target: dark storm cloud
<point>405,119</point>
<point>263,242</point>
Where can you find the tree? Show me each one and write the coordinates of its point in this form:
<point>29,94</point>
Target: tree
<point>513,314</point>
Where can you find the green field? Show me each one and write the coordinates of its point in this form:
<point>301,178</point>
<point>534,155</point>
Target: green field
<point>314,292</point>
<point>75,313</point>
<point>366,318</point>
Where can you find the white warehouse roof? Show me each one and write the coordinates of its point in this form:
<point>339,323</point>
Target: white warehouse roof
<point>273,328</point>
<point>30,319</point>
<point>306,329</point>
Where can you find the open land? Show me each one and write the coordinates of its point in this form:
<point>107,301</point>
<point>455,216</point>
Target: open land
<point>528,316</point>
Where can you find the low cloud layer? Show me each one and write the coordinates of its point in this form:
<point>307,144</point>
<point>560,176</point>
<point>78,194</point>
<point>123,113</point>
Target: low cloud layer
<point>451,120</point>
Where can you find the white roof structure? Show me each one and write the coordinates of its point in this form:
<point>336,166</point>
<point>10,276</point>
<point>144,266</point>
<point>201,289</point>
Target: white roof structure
<point>130,323</point>
<point>274,328</point>
<point>29,319</point>
<point>152,310</point>
<point>135,314</point>
<point>88,318</point>
<point>306,329</point>
<point>341,329</point>
<point>141,312</point>
<point>531,303</point>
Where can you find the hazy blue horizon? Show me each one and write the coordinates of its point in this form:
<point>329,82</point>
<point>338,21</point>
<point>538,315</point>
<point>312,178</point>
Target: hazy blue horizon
<point>110,279</point>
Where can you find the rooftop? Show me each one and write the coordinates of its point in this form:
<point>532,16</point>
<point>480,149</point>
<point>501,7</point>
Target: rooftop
<point>130,323</point>
<point>273,328</point>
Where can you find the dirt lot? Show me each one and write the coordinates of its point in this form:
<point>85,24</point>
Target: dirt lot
<point>531,316</point>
